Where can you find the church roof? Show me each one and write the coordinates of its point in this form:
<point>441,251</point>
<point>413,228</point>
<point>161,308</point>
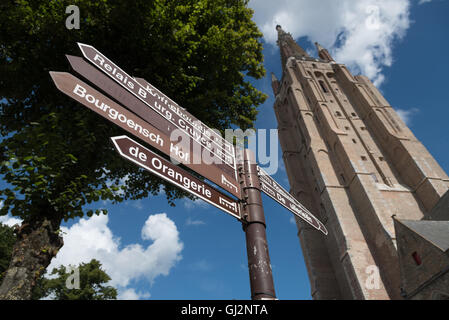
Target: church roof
<point>435,232</point>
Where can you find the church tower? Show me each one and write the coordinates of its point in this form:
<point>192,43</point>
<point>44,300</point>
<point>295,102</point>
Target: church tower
<point>354,164</point>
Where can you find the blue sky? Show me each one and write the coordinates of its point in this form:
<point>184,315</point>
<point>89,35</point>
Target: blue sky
<point>194,251</point>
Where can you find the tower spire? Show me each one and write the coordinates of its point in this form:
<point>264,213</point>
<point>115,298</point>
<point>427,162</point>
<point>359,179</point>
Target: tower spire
<point>288,46</point>
<point>323,53</point>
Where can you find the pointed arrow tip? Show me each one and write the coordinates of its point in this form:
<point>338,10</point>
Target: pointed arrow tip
<point>55,76</point>
<point>82,46</point>
<point>117,147</point>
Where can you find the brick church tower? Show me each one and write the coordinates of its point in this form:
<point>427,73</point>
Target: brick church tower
<point>354,164</point>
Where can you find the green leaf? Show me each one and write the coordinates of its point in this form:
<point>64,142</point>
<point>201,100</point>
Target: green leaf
<point>72,157</point>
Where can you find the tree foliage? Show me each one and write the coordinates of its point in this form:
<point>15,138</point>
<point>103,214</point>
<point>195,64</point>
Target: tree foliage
<point>55,153</point>
<point>92,284</point>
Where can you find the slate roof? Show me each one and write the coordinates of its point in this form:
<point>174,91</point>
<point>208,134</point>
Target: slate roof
<point>436,232</point>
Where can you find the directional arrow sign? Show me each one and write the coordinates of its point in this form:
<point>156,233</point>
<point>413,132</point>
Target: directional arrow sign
<point>210,137</point>
<point>135,152</point>
<point>218,149</point>
<point>112,111</point>
<point>141,109</point>
<point>274,190</point>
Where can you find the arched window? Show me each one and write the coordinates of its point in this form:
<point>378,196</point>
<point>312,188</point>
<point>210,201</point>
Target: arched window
<point>323,86</point>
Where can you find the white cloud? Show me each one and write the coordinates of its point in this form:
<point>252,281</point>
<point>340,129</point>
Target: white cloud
<point>292,220</point>
<point>9,220</point>
<point>406,115</point>
<point>131,294</point>
<point>358,33</point>
<point>424,1</point>
<point>138,204</point>
<point>195,204</point>
<point>191,222</point>
<point>282,165</point>
<point>92,238</point>
<point>201,265</point>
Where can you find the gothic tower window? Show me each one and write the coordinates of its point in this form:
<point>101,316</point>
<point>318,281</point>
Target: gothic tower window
<point>323,86</point>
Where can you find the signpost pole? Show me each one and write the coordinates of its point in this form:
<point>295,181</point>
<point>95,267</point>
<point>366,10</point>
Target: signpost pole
<point>261,278</point>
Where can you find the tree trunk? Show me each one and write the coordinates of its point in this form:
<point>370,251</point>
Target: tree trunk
<point>37,243</point>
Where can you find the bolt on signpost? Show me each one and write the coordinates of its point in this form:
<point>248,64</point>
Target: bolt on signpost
<point>141,110</point>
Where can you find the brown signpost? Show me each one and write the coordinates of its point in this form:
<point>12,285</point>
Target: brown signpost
<point>275,191</point>
<point>210,136</point>
<point>112,111</point>
<point>206,141</point>
<point>138,107</point>
<point>135,152</point>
